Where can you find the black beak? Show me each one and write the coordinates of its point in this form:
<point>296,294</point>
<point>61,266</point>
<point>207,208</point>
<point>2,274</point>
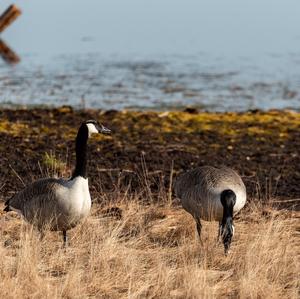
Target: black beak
<point>103,129</point>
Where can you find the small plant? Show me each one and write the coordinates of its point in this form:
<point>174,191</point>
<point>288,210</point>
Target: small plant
<point>54,165</point>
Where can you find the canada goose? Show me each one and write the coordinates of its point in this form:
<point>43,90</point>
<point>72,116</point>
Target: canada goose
<point>59,204</point>
<point>211,193</point>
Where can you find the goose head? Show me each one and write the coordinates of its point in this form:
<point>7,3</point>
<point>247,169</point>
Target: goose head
<point>228,199</point>
<point>95,127</point>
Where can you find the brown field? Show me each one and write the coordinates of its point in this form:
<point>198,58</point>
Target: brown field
<point>152,252</point>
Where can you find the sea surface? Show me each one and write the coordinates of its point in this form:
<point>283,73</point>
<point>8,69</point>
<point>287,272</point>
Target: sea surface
<point>154,55</point>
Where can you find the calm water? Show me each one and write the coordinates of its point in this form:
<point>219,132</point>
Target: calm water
<point>154,55</point>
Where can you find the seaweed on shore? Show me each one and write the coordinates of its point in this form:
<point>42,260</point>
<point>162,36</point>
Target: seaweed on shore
<point>147,148</point>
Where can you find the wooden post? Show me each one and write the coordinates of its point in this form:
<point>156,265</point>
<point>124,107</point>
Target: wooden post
<point>8,54</point>
<point>5,20</point>
<point>9,16</point>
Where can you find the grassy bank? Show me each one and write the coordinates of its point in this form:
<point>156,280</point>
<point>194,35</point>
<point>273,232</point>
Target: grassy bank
<point>152,252</point>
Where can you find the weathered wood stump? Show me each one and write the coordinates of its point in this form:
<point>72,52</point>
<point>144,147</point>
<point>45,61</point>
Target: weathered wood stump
<point>6,19</point>
<point>9,16</point>
<point>7,53</point>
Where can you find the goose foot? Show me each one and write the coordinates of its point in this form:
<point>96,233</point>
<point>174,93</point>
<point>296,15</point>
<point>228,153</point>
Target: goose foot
<point>65,238</point>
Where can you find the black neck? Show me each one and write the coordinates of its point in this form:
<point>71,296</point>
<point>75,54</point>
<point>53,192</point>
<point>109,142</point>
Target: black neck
<point>227,213</point>
<point>81,152</point>
<point>228,201</point>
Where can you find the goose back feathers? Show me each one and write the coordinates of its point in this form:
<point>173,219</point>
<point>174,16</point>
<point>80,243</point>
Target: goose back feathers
<point>56,203</point>
<point>200,191</point>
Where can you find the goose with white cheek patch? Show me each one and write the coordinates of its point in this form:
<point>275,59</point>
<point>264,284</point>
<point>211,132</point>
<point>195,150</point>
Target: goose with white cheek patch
<point>59,204</point>
<point>210,194</point>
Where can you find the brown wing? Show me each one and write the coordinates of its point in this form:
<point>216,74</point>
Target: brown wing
<point>200,181</point>
<point>32,194</point>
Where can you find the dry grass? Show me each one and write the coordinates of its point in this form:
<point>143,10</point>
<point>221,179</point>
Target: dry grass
<point>152,252</point>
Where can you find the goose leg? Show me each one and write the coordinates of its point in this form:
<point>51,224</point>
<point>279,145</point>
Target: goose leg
<point>219,232</point>
<point>65,238</point>
<point>199,227</point>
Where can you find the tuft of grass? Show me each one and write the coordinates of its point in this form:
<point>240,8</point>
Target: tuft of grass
<point>54,165</point>
<point>152,252</point>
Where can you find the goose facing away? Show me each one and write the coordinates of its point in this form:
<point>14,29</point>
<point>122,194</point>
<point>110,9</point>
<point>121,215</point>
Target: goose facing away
<point>211,193</point>
<point>59,204</point>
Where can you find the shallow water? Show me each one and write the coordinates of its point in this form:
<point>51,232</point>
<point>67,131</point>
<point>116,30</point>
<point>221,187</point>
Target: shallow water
<point>113,55</point>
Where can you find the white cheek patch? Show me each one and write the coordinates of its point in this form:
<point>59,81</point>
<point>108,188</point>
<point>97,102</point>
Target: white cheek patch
<point>92,129</point>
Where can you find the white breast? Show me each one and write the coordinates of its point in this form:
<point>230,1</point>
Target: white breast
<point>75,197</point>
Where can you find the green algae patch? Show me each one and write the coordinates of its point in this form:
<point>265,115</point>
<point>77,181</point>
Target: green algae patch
<point>13,128</point>
<point>236,123</point>
<point>274,123</point>
<point>262,146</point>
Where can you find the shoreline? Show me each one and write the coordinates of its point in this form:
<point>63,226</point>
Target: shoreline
<point>189,109</point>
<point>154,146</point>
